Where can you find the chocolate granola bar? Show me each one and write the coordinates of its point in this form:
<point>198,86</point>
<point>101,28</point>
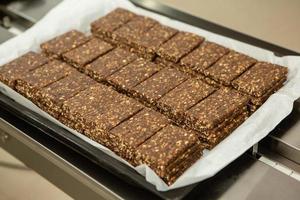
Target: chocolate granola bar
<point>133,74</point>
<point>229,67</point>
<point>15,69</point>
<point>109,63</point>
<point>258,101</point>
<point>203,57</point>
<point>118,110</point>
<point>114,112</point>
<point>64,43</point>
<point>104,26</point>
<point>53,95</point>
<point>260,81</point>
<point>176,170</point>
<point>128,135</point>
<point>87,52</point>
<point>83,103</point>
<point>148,43</point>
<point>32,82</point>
<point>183,97</point>
<point>165,151</point>
<point>216,108</point>
<point>129,32</point>
<point>159,84</point>
<point>179,45</point>
<point>214,136</point>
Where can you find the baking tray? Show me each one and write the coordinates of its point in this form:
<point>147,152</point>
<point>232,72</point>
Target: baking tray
<point>97,156</point>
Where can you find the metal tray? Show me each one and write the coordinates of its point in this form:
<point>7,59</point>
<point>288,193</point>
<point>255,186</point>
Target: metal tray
<point>97,156</point>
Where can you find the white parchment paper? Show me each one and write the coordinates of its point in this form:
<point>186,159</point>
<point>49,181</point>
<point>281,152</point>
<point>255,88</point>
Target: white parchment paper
<point>78,14</point>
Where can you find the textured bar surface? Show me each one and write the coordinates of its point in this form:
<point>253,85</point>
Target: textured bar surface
<point>15,69</point>
<point>86,53</point>
<point>229,67</point>
<point>83,103</point>
<point>129,32</point>
<point>183,97</point>
<point>170,146</point>
<point>260,78</point>
<point>216,135</point>
<point>149,42</point>
<point>179,45</point>
<point>109,63</point>
<point>130,134</point>
<point>260,100</point>
<point>64,43</point>
<point>215,109</point>
<point>133,74</point>
<point>32,82</point>
<point>105,25</point>
<point>53,95</point>
<point>159,84</point>
<point>203,57</point>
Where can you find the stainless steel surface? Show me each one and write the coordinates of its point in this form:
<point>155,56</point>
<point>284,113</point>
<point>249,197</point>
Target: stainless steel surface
<point>248,179</point>
<point>32,10</point>
<point>19,15</point>
<point>278,159</point>
<point>3,136</point>
<point>4,35</point>
<point>285,139</point>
